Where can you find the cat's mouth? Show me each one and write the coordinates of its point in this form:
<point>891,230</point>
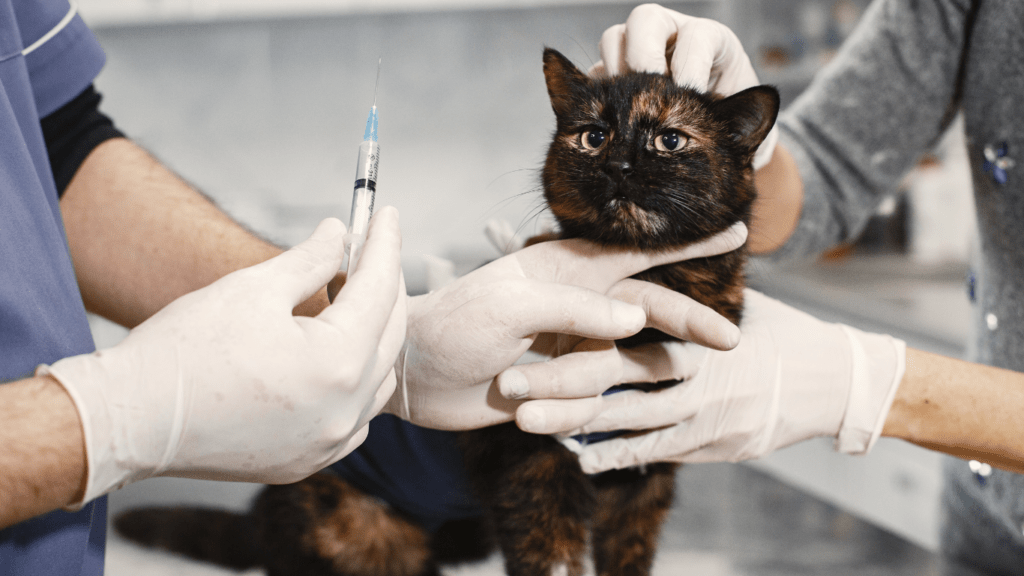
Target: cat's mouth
<point>633,219</point>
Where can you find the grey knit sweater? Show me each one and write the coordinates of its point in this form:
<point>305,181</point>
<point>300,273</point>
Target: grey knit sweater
<point>863,123</point>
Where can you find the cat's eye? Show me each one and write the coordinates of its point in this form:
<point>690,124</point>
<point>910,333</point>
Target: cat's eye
<point>670,141</point>
<point>593,139</point>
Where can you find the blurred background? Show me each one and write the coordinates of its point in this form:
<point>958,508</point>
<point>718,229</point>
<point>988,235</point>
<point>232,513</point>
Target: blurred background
<point>261,104</point>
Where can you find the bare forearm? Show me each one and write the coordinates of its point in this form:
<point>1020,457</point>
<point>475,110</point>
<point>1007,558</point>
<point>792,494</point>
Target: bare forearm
<point>780,193</point>
<point>42,454</point>
<point>141,237</point>
<point>959,408</point>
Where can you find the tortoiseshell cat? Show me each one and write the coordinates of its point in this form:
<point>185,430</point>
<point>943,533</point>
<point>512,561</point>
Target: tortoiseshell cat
<point>635,161</point>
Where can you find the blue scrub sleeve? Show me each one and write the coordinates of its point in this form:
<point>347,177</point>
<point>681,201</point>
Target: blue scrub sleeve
<point>63,66</point>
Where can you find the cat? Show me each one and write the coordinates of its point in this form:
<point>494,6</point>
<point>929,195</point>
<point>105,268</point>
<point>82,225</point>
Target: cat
<point>635,161</point>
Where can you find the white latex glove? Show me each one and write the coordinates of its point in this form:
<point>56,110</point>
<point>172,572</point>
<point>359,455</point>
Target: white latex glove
<point>698,52</point>
<point>462,336</point>
<point>225,384</point>
<point>791,378</point>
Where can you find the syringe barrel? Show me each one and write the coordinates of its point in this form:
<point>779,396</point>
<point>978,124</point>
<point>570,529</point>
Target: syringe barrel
<point>365,187</point>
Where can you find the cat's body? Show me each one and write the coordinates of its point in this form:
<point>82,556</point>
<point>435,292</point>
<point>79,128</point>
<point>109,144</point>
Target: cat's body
<point>635,161</point>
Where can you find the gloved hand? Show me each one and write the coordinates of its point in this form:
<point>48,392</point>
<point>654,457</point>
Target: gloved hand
<point>463,335</point>
<point>224,383</point>
<point>791,378</point>
<point>698,52</point>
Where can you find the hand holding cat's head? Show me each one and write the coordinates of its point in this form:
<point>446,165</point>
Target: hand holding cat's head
<point>695,52</point>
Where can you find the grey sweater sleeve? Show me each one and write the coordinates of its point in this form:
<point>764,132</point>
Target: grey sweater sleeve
<point>868,116</point>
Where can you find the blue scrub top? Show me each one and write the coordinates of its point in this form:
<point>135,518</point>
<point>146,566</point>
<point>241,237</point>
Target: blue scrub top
<point>46,59</point>
<point>416,470</point>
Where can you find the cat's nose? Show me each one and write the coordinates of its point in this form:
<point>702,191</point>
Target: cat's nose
<point>618,169</point>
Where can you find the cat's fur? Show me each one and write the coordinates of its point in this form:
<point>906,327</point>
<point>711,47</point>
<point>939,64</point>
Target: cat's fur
<point>630,189</point>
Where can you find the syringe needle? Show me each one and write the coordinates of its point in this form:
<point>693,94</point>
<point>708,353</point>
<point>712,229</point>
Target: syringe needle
<point>376,83</point>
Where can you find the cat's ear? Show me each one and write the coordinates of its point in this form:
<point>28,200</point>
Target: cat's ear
<point>749,114</point>
<point>563,79</point>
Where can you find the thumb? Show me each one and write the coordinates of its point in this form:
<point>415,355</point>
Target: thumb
<point>298,273</point>
<point>586,264</point>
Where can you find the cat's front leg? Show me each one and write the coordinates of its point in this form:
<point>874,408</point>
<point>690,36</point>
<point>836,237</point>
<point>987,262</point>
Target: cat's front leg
<point>539,499</point>
<point>632,505</point>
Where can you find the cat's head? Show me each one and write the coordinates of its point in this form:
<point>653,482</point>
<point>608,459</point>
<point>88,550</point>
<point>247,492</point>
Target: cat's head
<point>638,161</point>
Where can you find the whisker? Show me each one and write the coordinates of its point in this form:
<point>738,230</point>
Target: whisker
<point>532,215</point>
<point>683,202</point>
<point>510,172</point>
<point>507,201</point>
<point>584,50</point>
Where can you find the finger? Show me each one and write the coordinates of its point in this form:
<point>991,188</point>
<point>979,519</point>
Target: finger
<point>367,299</point>
<point>552,307</point>
<point>730,69</point>
<point>617,453</point>
<point>557,416</point>
<point>725,241</point>
<point>698,44</point>
<point>659,362</point>
<point>586,372</point>
<point>708,51</point>
<point>299,273</point>
<point>678,315</point>
<point>638,410</point>
<point>582,263</point>
<point>612,454</point>
<point>650,31</point>
<point>611,48</point>
<point>662,361</point>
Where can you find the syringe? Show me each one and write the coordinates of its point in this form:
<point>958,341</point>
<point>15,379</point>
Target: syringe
<point>365,188</point>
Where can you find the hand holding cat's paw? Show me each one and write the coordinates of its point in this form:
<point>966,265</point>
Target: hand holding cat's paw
<point>631,409</point>
<point>225,383</point>
<point>584,368</point>
<point>576,367</point>
<point>697,52</point>
<point>463,336</point>
<point>791,378</point>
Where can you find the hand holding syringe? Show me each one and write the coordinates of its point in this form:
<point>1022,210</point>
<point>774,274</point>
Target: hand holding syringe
<point>365,188</point>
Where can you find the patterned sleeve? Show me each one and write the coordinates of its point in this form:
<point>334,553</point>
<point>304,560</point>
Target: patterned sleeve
<point>871,113</point>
